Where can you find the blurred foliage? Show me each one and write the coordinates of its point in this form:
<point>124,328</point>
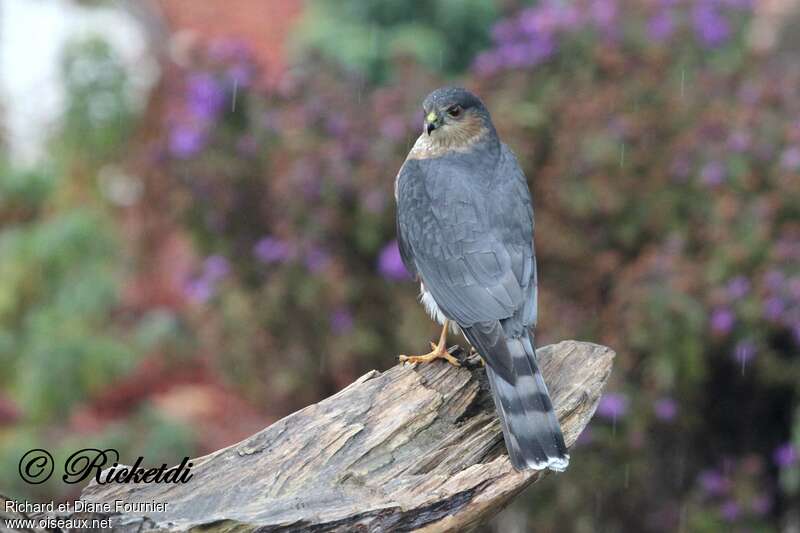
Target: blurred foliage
<point>365,36</point>
<point>65,336</point>
<point>99,113</point>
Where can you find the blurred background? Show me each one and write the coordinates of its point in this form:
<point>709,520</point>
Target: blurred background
<point>197,228</point>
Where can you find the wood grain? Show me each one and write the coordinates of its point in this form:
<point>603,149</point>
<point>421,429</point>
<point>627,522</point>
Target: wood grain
<point>411,448</point>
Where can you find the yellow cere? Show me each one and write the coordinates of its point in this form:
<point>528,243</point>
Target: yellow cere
<point>431,117</point>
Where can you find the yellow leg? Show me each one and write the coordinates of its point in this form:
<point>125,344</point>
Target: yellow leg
<point>439,351</point>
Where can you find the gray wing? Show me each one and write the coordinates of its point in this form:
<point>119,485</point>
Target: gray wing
<point>467,226</point>
<point>409,168</point>
<point>468,231</point>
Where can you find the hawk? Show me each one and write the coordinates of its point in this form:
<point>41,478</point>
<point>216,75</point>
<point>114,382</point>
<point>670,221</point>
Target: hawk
<point>465,231</point>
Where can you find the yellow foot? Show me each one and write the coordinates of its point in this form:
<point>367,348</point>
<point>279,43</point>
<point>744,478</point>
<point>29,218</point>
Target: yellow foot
<point>438,352</point>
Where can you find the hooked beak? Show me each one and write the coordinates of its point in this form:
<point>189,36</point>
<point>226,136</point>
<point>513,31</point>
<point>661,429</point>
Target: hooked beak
<point>431,122</point>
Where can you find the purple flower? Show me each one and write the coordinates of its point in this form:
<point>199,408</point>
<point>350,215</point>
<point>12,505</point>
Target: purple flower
<point>241,74</point>
<point>317,259</point>
<point>355,148</point>
<point>730,511</point>
<point>569,17</point>
<point>665,409</point>
<point>738,287</point>
<point>272,250</point>
<point>198,290</point>
<point>337,124</point>
<point>744,351</point>
<point>713,482</point>
<point>205,96</point>
<point>661,26</point>
<point>390,264</point>
<point>710,26</point>
<point>785,455</point>
<point>546,18</point>
<point>612,406</point>
<point>722,319</point>
<point>603,13</point>
<point>341,321</point>
<point>186,141</point>
<point>215,268</point>
<point>739,141</point>
<point>541,49</point>
<point>538,20</point>
<point>504,31</point>
<point>513,55</point>
<point>773,308</point>
<point>713,173</point>
<point>790,159</point>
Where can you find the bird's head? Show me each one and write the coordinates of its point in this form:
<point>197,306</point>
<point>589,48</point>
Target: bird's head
<point>454,116</point>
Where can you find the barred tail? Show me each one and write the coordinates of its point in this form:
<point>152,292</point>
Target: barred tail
<point>530,427</point>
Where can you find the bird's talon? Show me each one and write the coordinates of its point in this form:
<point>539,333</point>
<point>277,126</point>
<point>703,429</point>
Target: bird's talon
<point>437,353</point>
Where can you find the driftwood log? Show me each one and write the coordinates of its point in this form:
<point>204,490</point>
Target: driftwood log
<point>411,448</point>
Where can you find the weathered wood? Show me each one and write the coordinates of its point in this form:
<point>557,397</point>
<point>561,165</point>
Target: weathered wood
<point>414,447</point>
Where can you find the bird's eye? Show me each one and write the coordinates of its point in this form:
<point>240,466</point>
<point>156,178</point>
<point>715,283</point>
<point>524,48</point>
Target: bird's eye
<point>454,111</point>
